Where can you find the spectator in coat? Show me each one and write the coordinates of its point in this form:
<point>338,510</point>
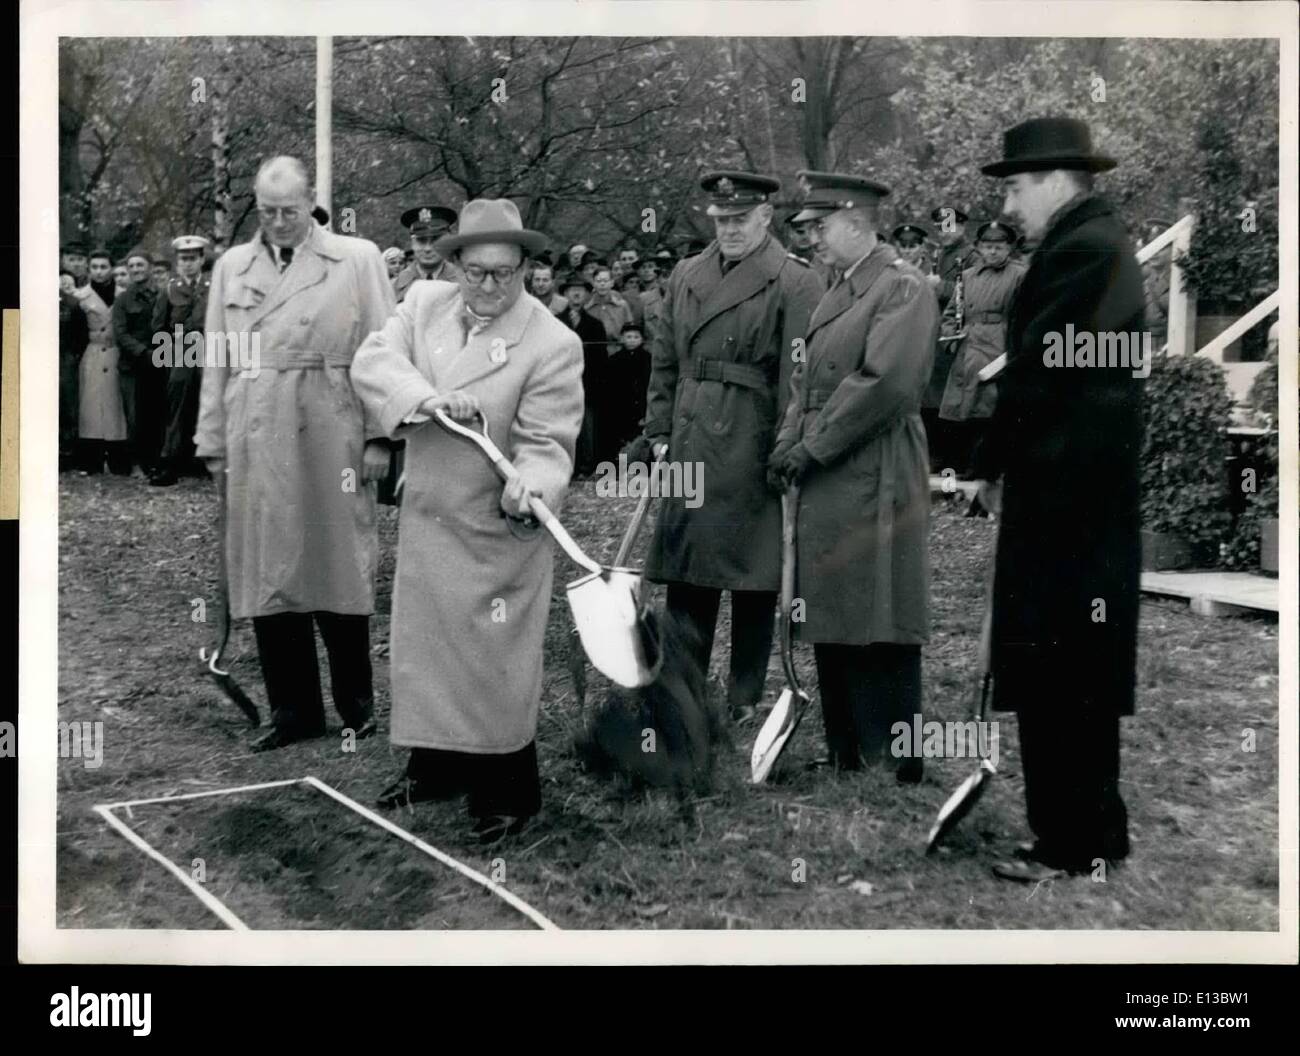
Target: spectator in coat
<point>1060,464</point>
<point>73,336</point>
<point>101,420</point>
<point>853,439</point>
<point>180,312</point>
<point>144,383</point>
<point>292,444</point>
<point>473,588</point>
<point>595,371</point>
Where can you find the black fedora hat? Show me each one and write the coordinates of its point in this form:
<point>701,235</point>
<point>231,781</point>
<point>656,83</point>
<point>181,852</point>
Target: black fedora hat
<point>1046,143</point>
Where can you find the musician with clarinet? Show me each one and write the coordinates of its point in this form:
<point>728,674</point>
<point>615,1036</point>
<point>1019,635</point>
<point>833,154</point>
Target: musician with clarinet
<point>946,265</point>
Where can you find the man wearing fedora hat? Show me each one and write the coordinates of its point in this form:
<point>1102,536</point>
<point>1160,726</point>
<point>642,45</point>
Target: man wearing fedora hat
<point>290,443</point>
<point>1059,463</point>
<point>473,587</point>
<point>852,438</point>
<point>730,332</point>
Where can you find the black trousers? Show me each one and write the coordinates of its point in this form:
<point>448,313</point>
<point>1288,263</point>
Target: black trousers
<point>494,784</point>
<point>144,401</point>
<point>864,690</point>
<point>1071,763</point>
<point>286,647</point>
<point>92,453</point>
<point>183,387</point>
<point>752,628</point>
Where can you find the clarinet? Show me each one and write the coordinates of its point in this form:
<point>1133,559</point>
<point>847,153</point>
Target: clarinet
<point>959,307</point>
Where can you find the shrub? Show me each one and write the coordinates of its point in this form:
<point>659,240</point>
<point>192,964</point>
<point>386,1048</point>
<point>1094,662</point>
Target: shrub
<point>1184,491</point>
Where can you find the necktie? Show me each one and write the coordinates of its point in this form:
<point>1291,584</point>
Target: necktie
<point>286,256</point>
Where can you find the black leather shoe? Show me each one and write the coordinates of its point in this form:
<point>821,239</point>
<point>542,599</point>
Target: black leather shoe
<point>911,772</point>
<point>162,480</point>
<point>277,738</point>
<point>493,828</point>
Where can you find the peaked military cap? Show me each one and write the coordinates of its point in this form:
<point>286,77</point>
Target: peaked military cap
<point>184,242</point>
<point>909,235</point>
<point>996,231</point>
<point>734,193</point>
<point>829,192</point>
<point>428,219</point>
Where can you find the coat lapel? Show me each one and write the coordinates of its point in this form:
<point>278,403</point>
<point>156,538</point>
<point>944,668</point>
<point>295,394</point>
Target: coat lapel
<point>488,350</point>
<point>845,292</point>
<point>309,268</point>
<point>739,284</point>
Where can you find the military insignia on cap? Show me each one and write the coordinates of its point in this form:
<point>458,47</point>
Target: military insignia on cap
<point>426,214</point>
<point>725,186</point>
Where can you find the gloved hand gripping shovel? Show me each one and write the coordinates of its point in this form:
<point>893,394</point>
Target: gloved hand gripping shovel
<point>228,685</point>
<point>606,604</point>
<point>794,701</point>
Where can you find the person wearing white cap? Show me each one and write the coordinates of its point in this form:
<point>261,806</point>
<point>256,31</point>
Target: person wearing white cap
<point>394,259</point>
<point>473,588</point>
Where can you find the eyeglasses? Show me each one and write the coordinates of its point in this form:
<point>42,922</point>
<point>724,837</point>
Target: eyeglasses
<point>291,214</point>
<point>475,275</point>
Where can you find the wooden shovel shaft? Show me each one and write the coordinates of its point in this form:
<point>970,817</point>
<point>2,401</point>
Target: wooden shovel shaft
<point>789,521</point>
<point>638,517</point>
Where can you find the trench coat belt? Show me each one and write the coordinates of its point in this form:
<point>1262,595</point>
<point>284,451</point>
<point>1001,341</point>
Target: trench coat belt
<point>987,317</point>
<point>742,374</point>
<point>300,359</point>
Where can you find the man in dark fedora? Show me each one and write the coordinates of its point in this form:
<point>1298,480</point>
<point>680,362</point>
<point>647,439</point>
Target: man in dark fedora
<point>852,439</point>
<point>729,337</point>
<point>473,587</point>
<point>1059,464</point>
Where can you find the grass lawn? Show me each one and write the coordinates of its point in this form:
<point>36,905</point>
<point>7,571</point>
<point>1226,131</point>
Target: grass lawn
<point>1204,812</point>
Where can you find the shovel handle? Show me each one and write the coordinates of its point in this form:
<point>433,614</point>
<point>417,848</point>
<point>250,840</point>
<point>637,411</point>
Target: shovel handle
<point>638,517</point>
<point>506,471</point>
<point>789,522</point>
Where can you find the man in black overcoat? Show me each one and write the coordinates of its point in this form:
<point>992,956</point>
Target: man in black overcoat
<point>1060,465</point>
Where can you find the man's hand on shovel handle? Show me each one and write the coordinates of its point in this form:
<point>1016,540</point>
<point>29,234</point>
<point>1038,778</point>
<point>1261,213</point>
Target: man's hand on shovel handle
<point>458,405</point>
<point>514,498</point>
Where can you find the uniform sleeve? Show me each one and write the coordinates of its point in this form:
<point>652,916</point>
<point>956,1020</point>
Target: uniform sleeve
<point>210,433</point>
<point>663,368</point>
<point>546,423</point>
<point>895,365</point>
<point>376,304</point>
<point>159,318</point>
<point>801,299</point>
<point>384,375</point>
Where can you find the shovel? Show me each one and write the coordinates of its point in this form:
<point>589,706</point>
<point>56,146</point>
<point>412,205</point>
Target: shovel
<point>968,793</point>
<point>577,671</point>
<point>227,684</point>
<point>606,603</point>
<point>793,702</point>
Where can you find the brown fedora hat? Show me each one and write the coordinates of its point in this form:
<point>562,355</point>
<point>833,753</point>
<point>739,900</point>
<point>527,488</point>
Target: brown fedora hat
<point>1046,143</point>
<point>486,220</point>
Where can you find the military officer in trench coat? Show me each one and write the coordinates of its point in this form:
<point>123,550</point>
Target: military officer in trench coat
<point>853,440</point>
<point>288,440</point>
<point>721,361</point>
<point>473,586</point>
<point>1065,444</point>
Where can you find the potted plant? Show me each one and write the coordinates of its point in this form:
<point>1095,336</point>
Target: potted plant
<point>1184,493</point>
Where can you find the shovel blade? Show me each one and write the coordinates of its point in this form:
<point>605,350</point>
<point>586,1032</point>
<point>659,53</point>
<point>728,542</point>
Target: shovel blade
<point>775,733</point>
<point>617,633</point>
<point>959,804</point>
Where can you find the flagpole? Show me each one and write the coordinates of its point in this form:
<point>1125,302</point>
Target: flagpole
<point>324,123</point>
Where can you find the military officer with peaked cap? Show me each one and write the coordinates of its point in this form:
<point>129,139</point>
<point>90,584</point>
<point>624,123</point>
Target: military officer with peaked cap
<point>427,223</point>
<point>732,321</point>
<point>182,305</point>
<point>852,439</point>
<point>950,223</point>
<point>910,240</point>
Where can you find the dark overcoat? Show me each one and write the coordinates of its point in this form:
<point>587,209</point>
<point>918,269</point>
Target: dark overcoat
<point>721,362</point>
<point>1066,442</point>
<point>864,509</point>
<point>988,294</point>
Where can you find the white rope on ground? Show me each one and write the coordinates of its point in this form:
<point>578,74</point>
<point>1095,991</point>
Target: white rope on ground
<point>105,810</point>
<point>433,852</point>
<point>215,905</point>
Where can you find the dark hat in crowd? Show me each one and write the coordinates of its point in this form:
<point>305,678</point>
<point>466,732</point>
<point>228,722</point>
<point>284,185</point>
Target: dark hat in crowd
<point>545,258</point>
<point>910,235</point>
<point>574,278</point>
<point>136,251</point>
<point>486,220</point>
<point>321,215</point>
<point>996,231</point>
<point>591,256</point>
<point>829,192</point>
<point>632,326</point>
<point>734,193</point>
<point>1046,143</point>
<point>942,212</point>
<point>160,262</point>
<point>428,219</point>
